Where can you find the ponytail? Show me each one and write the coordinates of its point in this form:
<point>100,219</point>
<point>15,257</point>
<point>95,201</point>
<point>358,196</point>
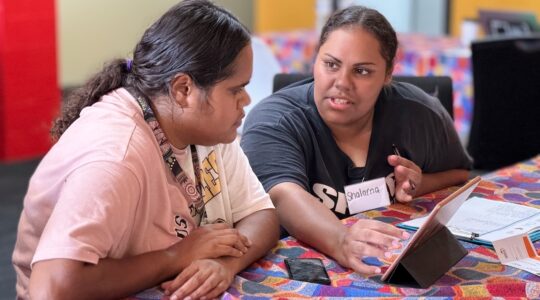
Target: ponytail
<point>113,76</point>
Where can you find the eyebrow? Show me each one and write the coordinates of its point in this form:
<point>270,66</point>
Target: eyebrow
<point>355,65</point>
<point>240,85</point>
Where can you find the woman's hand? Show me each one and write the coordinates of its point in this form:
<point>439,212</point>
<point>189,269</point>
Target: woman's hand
<point>210,241</point>
<point>408,177</point>
<point>206,278</point>
<point>368,238</point>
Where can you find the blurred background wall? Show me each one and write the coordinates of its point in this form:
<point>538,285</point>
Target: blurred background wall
<point>93,32</point>
<point>89,35</point>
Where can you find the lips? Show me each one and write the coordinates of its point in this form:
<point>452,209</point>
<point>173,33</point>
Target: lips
<point>339,103</point>
<point>239,121</point>
<point>340,100</point>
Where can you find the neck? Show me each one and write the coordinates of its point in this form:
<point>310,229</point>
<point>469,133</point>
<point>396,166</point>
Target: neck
<point>164,115</point>
<point>354,139</point>
<point>345,133</point>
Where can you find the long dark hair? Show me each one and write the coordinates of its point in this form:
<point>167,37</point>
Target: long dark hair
<point>194,37</point>
<point>371,21</point>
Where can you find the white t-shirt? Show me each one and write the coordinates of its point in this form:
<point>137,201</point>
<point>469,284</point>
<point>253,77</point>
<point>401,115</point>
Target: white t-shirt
<point>103,191</point>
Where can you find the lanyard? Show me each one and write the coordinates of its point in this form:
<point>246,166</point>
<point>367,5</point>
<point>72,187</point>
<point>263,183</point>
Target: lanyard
<point>191,191</point>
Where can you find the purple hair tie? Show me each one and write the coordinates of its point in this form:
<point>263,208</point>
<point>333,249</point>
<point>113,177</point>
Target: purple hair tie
<point>129,62</point>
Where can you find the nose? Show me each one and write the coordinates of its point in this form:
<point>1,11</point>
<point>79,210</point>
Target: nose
<point>245,101</point>
<point>343,80</point>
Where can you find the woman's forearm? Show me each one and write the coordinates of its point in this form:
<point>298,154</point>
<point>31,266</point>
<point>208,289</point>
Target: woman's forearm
<point>308,220</point>
<point>109,279</point>
<point>262,229</point>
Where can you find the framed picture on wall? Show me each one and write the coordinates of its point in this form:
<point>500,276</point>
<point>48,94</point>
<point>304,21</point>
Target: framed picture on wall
<point>507,23</point>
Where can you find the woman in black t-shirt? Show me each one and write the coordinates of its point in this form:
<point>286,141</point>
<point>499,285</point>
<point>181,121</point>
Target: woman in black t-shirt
<point>306,142</point>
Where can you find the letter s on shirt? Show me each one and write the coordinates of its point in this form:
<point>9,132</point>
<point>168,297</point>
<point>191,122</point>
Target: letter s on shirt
<point>323,192</point>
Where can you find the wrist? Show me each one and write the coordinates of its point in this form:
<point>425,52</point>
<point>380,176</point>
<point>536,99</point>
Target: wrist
<point>177,258</point>
<point>338,250</point>
<point>228,265</point>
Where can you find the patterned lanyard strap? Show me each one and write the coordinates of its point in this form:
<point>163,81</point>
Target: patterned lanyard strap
<point>191,191</point>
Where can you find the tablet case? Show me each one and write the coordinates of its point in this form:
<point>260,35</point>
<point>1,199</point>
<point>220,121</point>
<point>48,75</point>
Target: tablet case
<point>428,261</point>
<point>432,250</point>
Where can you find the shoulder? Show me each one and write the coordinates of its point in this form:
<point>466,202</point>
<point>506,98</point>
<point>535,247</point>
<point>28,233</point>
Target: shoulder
<point>410,99</point>
<point>111,130</point>
<point>109,122</point>
<point>220,152</point>
<point>289,102</point>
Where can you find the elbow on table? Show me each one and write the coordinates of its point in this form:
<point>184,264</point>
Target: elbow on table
<point>53,279</point>
<point>271,225</point>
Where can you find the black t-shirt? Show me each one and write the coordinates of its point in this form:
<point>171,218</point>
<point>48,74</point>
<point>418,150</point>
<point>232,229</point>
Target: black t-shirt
<point>286,140</point>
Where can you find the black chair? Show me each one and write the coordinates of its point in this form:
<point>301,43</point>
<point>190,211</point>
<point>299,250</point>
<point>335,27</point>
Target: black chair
<point>437,86</point>
<point>282,80</point>
<point>505,128</point>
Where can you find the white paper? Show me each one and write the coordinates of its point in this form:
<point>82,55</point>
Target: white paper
<point>483,215</point>
<point>367,195</point>
<point>530,265</point>
<point>518,251</point>
<point>491,220</point>
<point>512,248</point>
<point>524,226</point>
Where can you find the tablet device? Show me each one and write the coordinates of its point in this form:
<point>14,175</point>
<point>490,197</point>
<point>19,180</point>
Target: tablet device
<point>437,218</point>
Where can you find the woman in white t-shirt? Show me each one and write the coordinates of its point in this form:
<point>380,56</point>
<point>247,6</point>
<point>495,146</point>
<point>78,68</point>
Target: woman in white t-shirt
<point>146,184</point>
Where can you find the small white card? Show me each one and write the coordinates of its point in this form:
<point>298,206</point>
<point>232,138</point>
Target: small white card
<point>367,195</point>
<point>518,251</point>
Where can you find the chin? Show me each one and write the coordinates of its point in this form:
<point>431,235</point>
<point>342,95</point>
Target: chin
<point>340,122</point>
<point>225,138</point>
<point>230,138</point>
<point>335,118</point>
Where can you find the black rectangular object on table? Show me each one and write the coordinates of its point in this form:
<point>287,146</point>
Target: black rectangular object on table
<point>307,269</point>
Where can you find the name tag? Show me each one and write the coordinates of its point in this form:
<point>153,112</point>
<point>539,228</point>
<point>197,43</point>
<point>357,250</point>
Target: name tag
<point>367,195</point>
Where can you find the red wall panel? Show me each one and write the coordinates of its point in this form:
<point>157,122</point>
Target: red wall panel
<point>29,92</point>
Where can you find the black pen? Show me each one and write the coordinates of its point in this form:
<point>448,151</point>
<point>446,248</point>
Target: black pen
<point>396,152</point>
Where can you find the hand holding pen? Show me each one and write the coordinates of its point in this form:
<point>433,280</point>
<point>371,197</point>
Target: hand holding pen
<point>408,176</point>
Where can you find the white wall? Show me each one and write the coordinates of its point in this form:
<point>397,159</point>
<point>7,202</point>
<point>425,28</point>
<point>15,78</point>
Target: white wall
<point>398,12</point>
<point>430,16</point>
<point>93,32</point>
<point>423,16</point>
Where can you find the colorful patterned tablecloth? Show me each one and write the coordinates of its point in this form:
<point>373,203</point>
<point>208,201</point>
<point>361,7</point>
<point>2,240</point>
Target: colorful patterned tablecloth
<point>418,55</point>
<point>479,274</point>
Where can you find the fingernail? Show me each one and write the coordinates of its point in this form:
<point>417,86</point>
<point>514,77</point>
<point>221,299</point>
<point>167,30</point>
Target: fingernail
<point>387,254</point>
<point>174,297</point>
<point>377,271</point>
<point>413,186</point>
<point>249,242</point>
<point>187,298</point>
<point>166,292</point>
<point>406,235</point>
<point>395,243</point>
